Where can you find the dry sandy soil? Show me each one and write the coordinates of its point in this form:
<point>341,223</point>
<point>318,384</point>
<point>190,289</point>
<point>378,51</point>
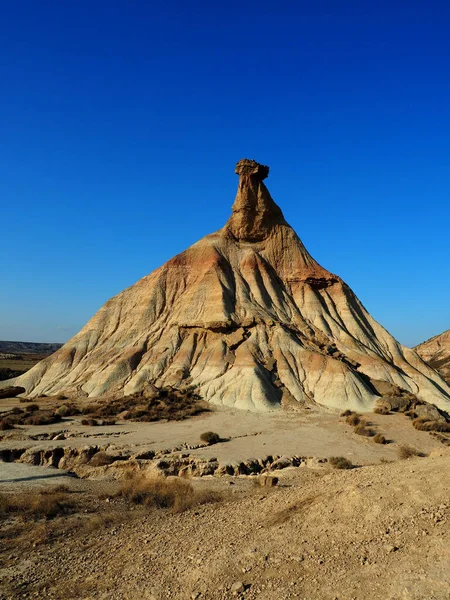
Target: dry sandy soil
<point>313,433</point>
<point>377,531</point>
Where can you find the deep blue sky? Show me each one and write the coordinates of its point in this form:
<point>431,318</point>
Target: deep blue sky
<point>121,123</point>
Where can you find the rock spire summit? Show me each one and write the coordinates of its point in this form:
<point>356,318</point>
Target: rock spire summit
<point>254,211</point>
<point>246,318</point>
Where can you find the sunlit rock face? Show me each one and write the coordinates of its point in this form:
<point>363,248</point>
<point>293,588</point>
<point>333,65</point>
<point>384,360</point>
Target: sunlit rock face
<point>436,352</point>
<point>245,318</point>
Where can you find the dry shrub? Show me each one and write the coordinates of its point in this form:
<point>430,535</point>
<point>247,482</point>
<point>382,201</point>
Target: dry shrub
<point>40,418</point>
<point>165,405</point>
<point>362,429</point>
<point>347,413</point>
<point>353,419</point>
<point>32,415</point>
<point>45,504</point>
<point>158,492</point>
<point>5,425</point>
<point>210,437</point>
<point>381,410</point>
<point>89,409</point>
<point>401,402</point>
<point>95,423</point>
<point>340,462</point>
<point>67,410</point>
<point>424,424</point>
<point>404,451</point>
<point>380,439</point>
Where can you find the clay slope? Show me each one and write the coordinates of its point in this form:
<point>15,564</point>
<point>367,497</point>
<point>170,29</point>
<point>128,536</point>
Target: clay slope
<point>436,352</point>
<point>246,318</point>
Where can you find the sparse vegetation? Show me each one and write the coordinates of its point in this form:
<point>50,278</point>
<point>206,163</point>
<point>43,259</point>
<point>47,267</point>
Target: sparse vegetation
<point>404,452</point>
<point>67,410</point>
<point>210,437</point>
<point>402,401</point>
<point>425,424</point>
<point>353,419</point>
<point>95,423</point>
<point>347,413</point>
<point>340,462</point>
<point>37,505</point>
<point>381,410</point>
<point>160,493</point>
<point>31,415</point>
<point>379,439</point>
<point>164,405</point>
<point>362,429</point>
<point>41,418</point>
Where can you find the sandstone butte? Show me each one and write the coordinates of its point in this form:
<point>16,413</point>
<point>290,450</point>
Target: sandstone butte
<point>245,318</point>
<point>436,352</point>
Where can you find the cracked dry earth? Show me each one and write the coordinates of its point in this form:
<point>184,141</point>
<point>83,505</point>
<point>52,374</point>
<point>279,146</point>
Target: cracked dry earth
<point>369,533</point>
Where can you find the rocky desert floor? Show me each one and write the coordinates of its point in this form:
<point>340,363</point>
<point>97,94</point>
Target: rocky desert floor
<point>379,530</point>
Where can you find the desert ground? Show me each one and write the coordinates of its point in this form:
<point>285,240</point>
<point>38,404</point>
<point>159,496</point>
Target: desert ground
<point>377,530</point>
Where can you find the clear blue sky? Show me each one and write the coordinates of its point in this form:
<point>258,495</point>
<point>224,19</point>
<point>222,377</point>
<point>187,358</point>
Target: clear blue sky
<point>121,123</point>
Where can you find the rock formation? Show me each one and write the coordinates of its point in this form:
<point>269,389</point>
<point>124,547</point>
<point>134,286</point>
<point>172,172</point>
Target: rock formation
<point>245,318</point>
<point>436,352</point>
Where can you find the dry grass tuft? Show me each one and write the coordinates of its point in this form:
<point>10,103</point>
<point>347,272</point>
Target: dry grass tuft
<point>340,462</point>
<point>67,410</point>
<point>210,437</point>
<point>353,419</point>
<point>381,410</point>
<point>167,404</point>
<point>157,492</point>
<point>32,415</point>
<point>379,439</point>
<point>89,422</point>
<point>425,424</point>
<point>404,452</point>
<point>95,423</point>
<point>362,429</point>
<point>347,413</point>
<point>45,504</point>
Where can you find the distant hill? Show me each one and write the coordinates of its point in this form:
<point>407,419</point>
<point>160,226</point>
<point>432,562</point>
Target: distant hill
<point>436,352</point>
<point>28,347</point>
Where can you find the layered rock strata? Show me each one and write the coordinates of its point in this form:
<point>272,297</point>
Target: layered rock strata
<point>245,318</point>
